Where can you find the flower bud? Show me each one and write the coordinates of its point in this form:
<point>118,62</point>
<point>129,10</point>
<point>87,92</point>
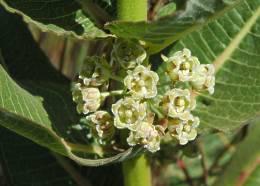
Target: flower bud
<point>76,92</point>
<point>128,113</point>
<point>181,65</point>
<point>183,130</point>
<point>177,102</point>
<point>128,53</point>
<point>142,82</point>
<point>95,71</point>
<point>204,78</point>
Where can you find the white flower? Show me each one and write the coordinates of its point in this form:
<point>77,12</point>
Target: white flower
<point>142,82</point>
<point>181,66</point>
<point>177,102</point>
<point>102,124</point>
<point>204,78</point>
<point>147,135</point>
<point>128,53</point>
<point>128,113</point>
<point>91,99</point>
<point>184,130</point>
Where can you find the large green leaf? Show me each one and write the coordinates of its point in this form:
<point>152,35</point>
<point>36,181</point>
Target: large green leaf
<point>232,44</point>
<point>25,163</point>
<point>244,168</point>
<point>65,18</point>
<point>38,105</point>
<point>169,29</point>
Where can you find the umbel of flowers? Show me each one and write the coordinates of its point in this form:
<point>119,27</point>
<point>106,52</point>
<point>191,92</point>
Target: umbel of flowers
<point>136,106</point>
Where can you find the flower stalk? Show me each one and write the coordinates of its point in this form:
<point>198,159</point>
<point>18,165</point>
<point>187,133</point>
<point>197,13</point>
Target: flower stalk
<point>134,10</point>
<point>137,172</point>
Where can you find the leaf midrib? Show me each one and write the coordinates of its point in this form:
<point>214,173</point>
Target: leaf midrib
<point>222,58</point>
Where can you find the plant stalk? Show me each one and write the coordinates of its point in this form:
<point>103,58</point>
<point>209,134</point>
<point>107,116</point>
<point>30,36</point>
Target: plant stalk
<point>132,10</point>
<point>137,172</point>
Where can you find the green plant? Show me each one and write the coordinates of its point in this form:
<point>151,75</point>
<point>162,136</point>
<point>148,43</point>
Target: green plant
<point>130,99</point>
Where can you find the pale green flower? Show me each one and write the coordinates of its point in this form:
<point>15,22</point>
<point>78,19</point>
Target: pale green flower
<point>76,92</point>
<point>128,53</point>
<point>183,130</point>
<point>181,65</point>
<point>177,102</point>
<point>77,96</point>
<point>204,78</point>
<point>142,82</point>
<point>146,134</point>
<point>128,113</point>
<point>102,125</point>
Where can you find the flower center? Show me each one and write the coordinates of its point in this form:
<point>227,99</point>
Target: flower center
<point>185,66</point>
<point>187,128</point>
<point>128,113</point>
<point>180,102</point>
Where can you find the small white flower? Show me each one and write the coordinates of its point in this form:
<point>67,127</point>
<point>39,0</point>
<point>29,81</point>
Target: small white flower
<point>91,99</point>
<point>204,78</point>
<point>128,53</point>
<point>147,135</point>
<point>142,82</point>
<point>128,113</point>
<point>102,124</point>
<point>177,102</point>
<point>181,65</point>
<point>184,130</point>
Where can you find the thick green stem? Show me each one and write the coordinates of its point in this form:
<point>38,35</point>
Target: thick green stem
<point>132,10</point>
<point>137,172</point>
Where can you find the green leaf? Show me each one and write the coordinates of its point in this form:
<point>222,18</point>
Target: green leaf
<point>232,44</point>
<point>25,163</point>
<point>61,17</point>
<point>245,164</point>
<point>166,10</point>
<point>165,31</point>
<point>38,105</point>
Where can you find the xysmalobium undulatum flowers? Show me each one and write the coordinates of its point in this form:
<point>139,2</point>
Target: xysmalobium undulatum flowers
<point>118,96</point>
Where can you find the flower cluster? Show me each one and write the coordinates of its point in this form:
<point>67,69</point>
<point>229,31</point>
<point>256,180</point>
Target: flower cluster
<point>137,107</point>
<point>88,94</point>
<point>184,67</point>
<point>178,102</point>
<point>131,112</point>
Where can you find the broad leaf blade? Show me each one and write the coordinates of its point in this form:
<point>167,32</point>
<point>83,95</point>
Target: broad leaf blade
<point>64,18</point>
<point>24,60</point>
<point>164,31</point>
<point>245,164</point>
<point>26,163</point>
<point>232,44</point>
